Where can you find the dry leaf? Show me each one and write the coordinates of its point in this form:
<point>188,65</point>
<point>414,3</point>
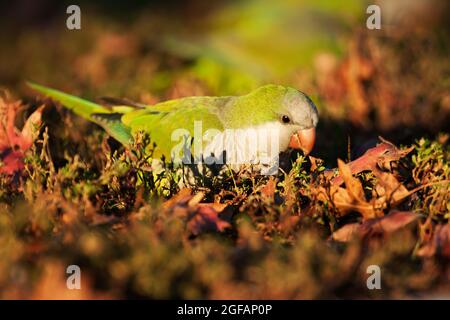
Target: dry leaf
<point>315,163</point>
<point>29,131</point>
<point>390,189</point>
<point>219,207</point>
<point>268,190</point>
<point>195,200</point>
<point>392,222</point>
<point>206,219</point>
<point>181,198</point>
<point>352,198</point>
<point>377,157</point>
<point>200,217</point>
<point>347,232</point>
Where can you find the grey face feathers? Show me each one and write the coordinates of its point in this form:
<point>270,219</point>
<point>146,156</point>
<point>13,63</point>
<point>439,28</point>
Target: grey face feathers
<point>300,110</point>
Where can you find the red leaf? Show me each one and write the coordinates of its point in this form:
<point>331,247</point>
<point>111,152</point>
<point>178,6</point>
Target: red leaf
<point>12,161</point>
<point>206,219</point>
<point>200,217</point>
<point>14,143</point>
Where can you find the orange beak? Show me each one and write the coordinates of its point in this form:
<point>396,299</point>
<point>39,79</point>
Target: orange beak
<point>304,140</point>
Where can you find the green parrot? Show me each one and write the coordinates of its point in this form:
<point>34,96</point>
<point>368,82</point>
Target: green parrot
<point>252,128</point>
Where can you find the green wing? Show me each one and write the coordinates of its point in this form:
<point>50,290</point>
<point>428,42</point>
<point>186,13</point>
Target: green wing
<point>170,123</point>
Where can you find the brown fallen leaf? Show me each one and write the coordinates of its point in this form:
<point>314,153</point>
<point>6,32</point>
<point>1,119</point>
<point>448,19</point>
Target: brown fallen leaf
<point>268,190</point>
<point>29,132</point>
<point>200,217</point>
<point>315,162</point>
<point>390,189</point>
<point>344,203</point>
<point>195,199</point>
<point>354,187</point>
<point>181,198</point>
<point>387,192</point>
<point>206,219</point>
<point>373,159</point>
<point>390,223</point>
<point>219,207</point>
<point>347,232</point>
<point>352,198</point>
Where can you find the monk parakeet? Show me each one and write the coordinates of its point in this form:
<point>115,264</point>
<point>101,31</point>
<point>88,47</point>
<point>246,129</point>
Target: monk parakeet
<point>252,128</point>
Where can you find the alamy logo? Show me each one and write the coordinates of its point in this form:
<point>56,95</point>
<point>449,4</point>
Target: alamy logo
<point>74,280</point>
<point>258,146</point>
<point>73,21</point>
<point>374,280</point>
<point>374,20</point>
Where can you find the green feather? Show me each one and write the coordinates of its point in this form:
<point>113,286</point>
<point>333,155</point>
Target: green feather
<point>112,124</point>
<point>90,111</point>
<point>80,106</point>
<point>162,120</point>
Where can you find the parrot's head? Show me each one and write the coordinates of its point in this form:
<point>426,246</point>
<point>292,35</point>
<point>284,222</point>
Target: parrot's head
<point>288,110</point>
<point>298,118</point>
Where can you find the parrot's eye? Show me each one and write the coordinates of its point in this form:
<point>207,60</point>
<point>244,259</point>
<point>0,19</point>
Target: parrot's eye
<point>285,119</point>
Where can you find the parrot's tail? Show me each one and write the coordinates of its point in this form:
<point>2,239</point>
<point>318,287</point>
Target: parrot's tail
<point>80,106</point>
<point>107,119</point>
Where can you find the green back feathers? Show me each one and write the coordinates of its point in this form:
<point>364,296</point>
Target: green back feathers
<point>166,121</point>
<point>112,124</point>
<point>259,106</point>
